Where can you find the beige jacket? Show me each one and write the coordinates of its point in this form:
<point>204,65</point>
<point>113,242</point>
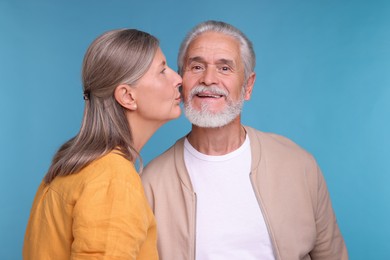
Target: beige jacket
<point>289,187</point>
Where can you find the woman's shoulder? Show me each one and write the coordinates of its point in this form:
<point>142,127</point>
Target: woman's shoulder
<point>111,169</point>
<point>110,166</point>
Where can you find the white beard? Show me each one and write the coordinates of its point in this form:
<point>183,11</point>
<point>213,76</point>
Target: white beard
<point>205,118</point>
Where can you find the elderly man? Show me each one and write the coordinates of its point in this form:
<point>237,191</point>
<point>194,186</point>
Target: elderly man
<point>227,191</point>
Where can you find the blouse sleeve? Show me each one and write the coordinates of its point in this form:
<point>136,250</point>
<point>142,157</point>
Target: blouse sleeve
<point>110,219</point>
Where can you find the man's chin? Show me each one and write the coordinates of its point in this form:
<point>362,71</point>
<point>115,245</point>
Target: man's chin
<point>209,121</point>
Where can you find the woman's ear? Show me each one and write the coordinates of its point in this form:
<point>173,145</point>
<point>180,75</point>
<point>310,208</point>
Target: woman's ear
<point>125,96</point>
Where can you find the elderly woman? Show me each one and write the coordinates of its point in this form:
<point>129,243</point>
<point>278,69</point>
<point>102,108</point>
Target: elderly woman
<point>91,203</point>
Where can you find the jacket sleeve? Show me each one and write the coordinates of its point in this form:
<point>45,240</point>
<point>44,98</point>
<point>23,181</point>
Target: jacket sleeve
<point>111,220</point>
<point>329,243</point>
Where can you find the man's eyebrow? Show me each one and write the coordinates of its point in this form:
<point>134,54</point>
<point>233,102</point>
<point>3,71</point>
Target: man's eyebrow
<point>220,61</point>
<point>226,61</point>
<point>196,59</point>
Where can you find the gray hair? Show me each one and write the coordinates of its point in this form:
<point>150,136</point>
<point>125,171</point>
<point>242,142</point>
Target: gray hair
<point>246,47</point>
<point>116,57</point>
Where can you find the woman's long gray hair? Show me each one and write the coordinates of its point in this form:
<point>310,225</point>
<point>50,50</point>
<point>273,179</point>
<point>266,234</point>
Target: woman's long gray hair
<point>116,57</point>
<point>247,53</point>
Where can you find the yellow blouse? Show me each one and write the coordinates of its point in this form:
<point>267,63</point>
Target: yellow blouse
<point>99,213</point>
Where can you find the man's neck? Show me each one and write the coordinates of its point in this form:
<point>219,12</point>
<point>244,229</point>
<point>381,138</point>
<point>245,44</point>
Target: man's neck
<point>219,140</point>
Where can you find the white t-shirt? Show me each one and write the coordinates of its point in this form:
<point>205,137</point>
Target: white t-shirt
<point>229,222</point>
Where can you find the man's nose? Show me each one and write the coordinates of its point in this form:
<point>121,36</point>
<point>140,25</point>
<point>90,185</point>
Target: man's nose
<point>209,76</point>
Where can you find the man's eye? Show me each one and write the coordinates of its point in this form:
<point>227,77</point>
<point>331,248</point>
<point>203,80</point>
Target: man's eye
<point>196,68</point>
<point>225,69</point>
<point>163,71</point>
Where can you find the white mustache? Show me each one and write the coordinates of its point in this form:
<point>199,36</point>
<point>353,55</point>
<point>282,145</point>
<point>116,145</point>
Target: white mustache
<point>213,89</point>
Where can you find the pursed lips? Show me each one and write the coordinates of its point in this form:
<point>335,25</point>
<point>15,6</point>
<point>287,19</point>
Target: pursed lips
<point>178,98</point>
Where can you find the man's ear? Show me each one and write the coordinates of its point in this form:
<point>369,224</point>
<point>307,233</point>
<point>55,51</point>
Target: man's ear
<point>249,86</point>
<point>125,96</point>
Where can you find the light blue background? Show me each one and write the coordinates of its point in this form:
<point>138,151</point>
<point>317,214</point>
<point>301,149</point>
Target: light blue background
<point>322,80</point>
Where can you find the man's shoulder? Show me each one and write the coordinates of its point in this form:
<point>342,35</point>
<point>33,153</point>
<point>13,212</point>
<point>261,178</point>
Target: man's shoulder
<point>164,161</point>
<point>283,156</point>
<point>272,138</point>
<point>165,157</point>
<point>275,143</point>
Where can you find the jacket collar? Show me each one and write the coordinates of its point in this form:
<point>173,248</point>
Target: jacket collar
<point>181,168</point>
<point>255,147</point>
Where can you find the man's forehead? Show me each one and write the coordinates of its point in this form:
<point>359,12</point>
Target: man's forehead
<point>214,40</point>
<point>214,47</point>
